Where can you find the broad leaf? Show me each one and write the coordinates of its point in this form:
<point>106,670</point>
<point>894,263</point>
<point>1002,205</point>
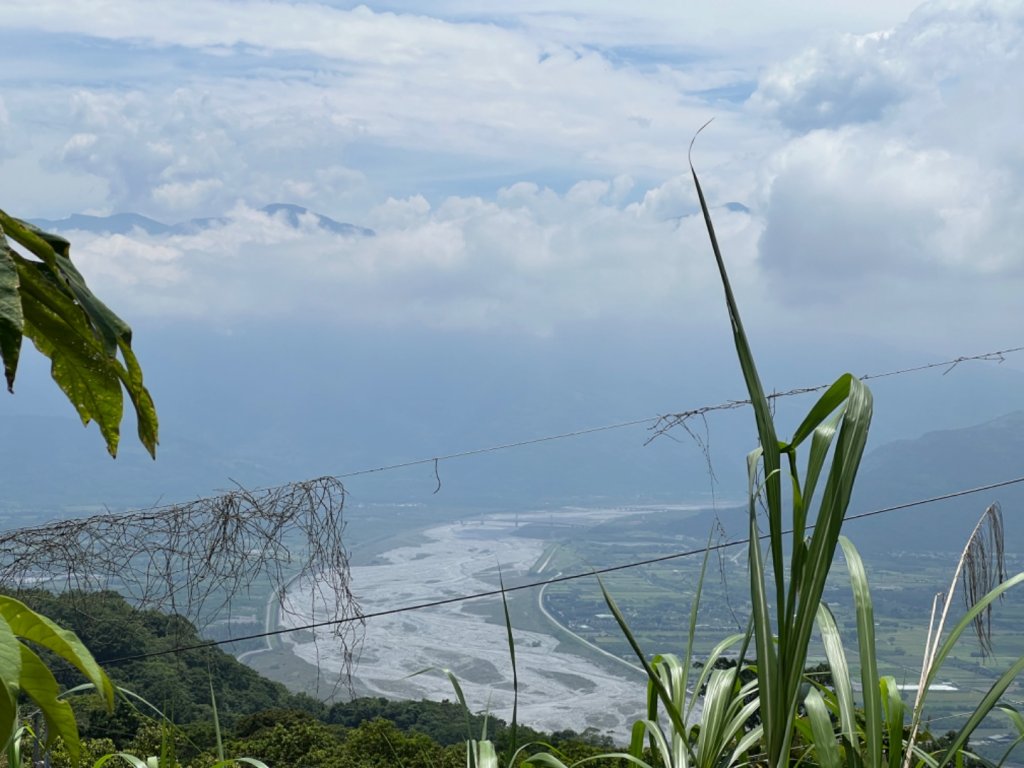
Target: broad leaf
<point>38,682</point>
<point>26,623</point>
<point>12,320</point>
<point>10,673</point>
<point>49,301</point>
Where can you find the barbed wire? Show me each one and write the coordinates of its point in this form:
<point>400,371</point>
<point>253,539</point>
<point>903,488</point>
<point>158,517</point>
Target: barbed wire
<point>179,557</point>
<point>660,424</point>
<point>670,421</point>
<point>364,617</point>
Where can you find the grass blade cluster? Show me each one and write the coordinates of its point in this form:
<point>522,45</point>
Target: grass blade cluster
<point>783,717</point>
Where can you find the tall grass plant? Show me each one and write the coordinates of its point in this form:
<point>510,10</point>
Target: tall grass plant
<point>802,487</point>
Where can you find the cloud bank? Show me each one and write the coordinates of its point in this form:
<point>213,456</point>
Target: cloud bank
<point>526,172</point>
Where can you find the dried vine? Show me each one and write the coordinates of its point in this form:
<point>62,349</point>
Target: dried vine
<point>984,568</point>
<point>193,558</point>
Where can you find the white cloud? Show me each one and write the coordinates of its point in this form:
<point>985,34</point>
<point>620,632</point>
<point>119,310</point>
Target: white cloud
<point>521,169</point>
<point>5,120</point>
<point>852,205</point>
<point>943,53</point>
<point>851,81</point>
<point>400,103</point>
<point>900,195</point>
<point>533,260</point>
<point>398,32</point>
<point>186,195</point>
<point>129,262</point>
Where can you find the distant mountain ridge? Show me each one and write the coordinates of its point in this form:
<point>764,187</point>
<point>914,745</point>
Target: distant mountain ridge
<point>895,477</point>
<point>126,223</point>
<point>937,463</point>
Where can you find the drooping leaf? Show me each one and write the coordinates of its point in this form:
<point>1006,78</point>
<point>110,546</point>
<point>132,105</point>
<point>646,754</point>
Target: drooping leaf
<point>145,410</point>
<point>80,369</point>
<point>49,301</point>
<point>10,673</point>
<point>132,760</point>
<point>54,253</point>
<point>656,684</point>
<point>38,682</point>
<point>26,623</point>
<point>12,320</point>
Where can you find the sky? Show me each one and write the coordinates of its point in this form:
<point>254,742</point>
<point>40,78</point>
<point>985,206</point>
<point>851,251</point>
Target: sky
<point>524,168</point>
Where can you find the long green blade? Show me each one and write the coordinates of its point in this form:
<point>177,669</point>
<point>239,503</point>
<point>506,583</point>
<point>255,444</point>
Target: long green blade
<point>981,711</point>
<point>652,676</point>
<point>958,629</point>
<point>825,747</point>
<point>513,728</point>
<point>873,715</point>
<point>894,719</point>
<point>841,680</point>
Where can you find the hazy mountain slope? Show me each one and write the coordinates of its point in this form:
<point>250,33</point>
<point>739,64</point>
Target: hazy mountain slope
<point>938,463</point>
<point>903,471</point>
<point>126,223</point>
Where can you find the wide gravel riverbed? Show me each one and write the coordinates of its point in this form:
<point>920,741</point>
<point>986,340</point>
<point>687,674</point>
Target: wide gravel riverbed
<point>557,689</point>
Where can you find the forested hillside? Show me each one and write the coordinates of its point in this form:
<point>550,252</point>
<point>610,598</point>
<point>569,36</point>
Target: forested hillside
<point>259,717</point>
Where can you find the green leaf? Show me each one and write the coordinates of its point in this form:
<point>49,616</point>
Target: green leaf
<point>767,666</point>
<point>825,747</point>
<point>823,409</point>
<point>12,319</point>
<point>966,620</point>
<point>79,364</point>
<point>54,251</point>
<point>88,378</point>
<point>26,623</point>
<point>216,721</point>
<point>873,715</point>
<point>10,675</point>
<point>247,760</point>
<point>69,324</point>
<point>691,629</point>
<point>514,725</point>
<point>849,447</point>
<point>715,724</point>
<point>38,682</point>
<point>821,441</point>
<point>1018,724</point>
<point>894,719</point>
<point>654,679</point>
<point>708,667</point>
<point>145,410</point>
<point>132,760</point>
<point>780,669</point>
<point>981,711</point>
<point>841,679</point>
